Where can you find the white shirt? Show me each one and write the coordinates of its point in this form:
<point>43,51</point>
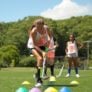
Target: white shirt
<point>72,47</point>
<point>30,43</point>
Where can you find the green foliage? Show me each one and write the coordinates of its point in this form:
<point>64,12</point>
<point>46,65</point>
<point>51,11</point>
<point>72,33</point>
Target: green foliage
<point>27,62</point>
<point>16,34</point>
<point>8,54</point>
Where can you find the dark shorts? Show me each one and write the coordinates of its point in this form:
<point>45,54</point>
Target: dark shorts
<point>43,48</point>
<point>30,50</point>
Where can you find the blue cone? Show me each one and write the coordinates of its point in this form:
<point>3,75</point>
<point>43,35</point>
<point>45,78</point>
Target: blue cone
<point>65,89</point>
<point>22,89</point>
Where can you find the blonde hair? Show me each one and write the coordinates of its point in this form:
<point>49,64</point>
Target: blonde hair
<point>39,21</point>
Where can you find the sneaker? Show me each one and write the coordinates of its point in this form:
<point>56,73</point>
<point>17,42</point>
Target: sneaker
<point>68,75</point>
<point>77,75</point>
<point>38,84</point>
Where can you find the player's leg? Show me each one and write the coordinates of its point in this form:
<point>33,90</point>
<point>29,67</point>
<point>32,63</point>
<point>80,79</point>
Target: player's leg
<point>51,61</point>
<point>69,66</point>
<point>51,56</point>
<point>75,61</point>
<point>39,63</point>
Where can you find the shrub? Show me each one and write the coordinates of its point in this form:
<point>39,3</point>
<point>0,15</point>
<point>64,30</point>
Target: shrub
<point>7,54</point>
<point>27,62</point>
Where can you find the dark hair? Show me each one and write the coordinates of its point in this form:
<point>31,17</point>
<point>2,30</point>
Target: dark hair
<point>72,35</point>
<point>32,27</point>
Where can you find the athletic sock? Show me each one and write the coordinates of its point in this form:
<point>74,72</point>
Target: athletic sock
<point>38,73</point>
<point>69,70</point>
<point>52,70</point>
<point>76,70</point>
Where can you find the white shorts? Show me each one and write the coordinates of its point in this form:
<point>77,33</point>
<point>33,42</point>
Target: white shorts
<point>72,55</point>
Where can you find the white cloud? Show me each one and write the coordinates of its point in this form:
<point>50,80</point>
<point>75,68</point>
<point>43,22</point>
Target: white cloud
<point>66,9</point>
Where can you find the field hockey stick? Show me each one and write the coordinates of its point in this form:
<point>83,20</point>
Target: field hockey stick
<point>60,72</point>
<point>44,66</point>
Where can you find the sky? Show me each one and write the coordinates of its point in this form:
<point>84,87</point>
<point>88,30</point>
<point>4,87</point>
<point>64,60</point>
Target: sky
<point>13,10</point>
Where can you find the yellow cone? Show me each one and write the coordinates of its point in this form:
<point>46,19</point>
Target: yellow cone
<point>51,89</point>
<point>74,82</point>
<point>52,78</point>
<point>25,83</point>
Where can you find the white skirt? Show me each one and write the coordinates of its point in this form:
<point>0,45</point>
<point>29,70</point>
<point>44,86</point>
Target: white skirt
<point>72,55</point>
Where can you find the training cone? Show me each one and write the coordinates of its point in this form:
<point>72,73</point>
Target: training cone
<point>26,83</point>
<point>52,78</point>
<point>65,89</point>
<point>74,82</point>
<point>22,89</point>
<point>51,89</point>
<point>35,90</point>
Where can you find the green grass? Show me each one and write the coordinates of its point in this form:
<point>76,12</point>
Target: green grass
<point>11,79</point>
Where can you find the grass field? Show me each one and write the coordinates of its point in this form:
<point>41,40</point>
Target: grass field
<point>11,79</point>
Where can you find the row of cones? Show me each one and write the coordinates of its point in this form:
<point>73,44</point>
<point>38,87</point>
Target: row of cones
<point>48,89</point>
<point>52,78</point>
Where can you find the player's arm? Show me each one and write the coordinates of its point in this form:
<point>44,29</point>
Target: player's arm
<point>48,32</point>
<point>66,50</point>
<point>55,42</point>
<point>79,44</point>
<point>32,35</point>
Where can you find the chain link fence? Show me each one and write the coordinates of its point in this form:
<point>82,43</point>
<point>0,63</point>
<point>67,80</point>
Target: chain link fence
<point>82,62</point>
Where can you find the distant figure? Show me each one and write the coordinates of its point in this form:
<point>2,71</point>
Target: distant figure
<point>51,54</point>
<point>72,54</point>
